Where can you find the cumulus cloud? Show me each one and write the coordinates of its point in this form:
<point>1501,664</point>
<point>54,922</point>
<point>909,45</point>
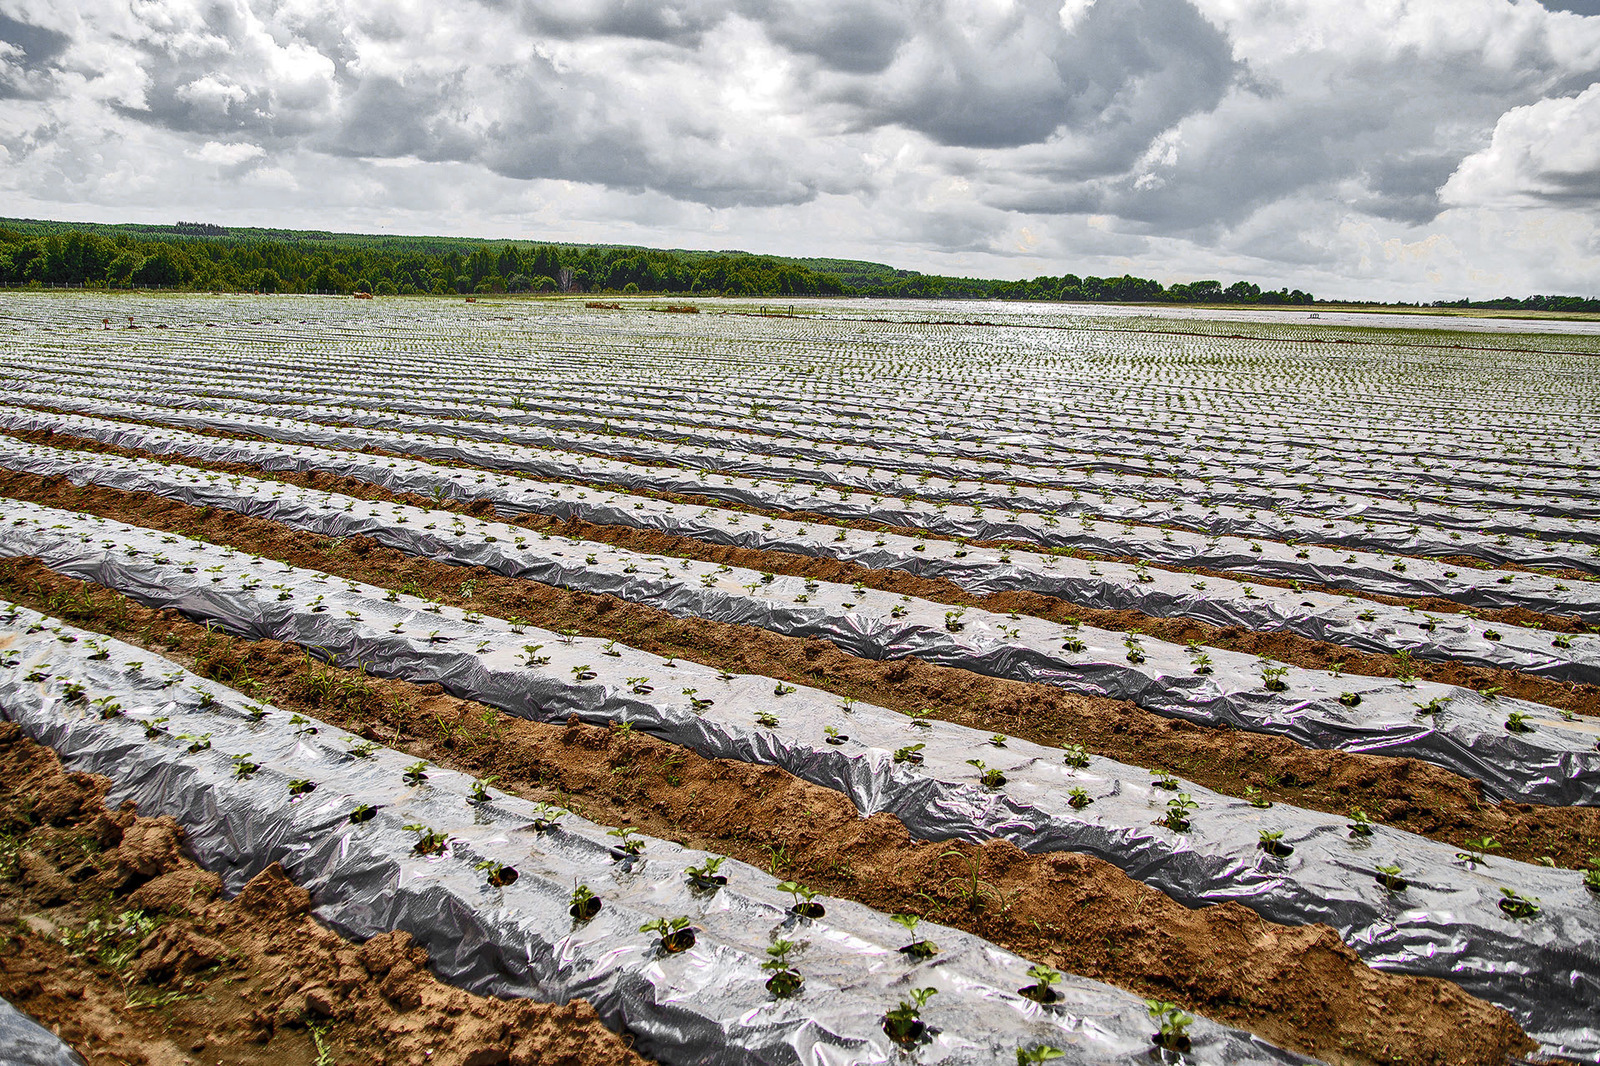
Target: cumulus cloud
<point>1365,147</point>
<point>1544,152</point>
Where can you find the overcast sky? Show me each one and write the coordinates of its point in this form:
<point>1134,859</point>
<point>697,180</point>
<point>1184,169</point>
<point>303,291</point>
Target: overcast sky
<point>1399,149</point>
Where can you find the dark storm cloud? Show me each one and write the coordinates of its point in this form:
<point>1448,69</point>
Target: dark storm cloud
<point>27,54</point>
<point>853,38</point>
<point>1134,66</point>
<point>670,21</point>
<point>989,127</point>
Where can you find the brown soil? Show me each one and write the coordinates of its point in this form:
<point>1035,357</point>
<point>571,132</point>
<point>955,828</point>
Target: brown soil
<point>1405,793</point>
<point>1282,647</point>
<point>1299,987</point>
<point>121,945</point>
<point>1511,616</point>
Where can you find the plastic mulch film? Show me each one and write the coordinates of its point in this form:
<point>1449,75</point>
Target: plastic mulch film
<point>252,786</point>
<point>1358,570</point>
<point>1362,624</point>
<point>1329,514</point>
<point>1196,845</point>
<point>1551,761</point>
<point>24,1042</point>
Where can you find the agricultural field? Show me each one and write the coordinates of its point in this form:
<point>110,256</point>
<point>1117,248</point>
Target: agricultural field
<point>840,681</point>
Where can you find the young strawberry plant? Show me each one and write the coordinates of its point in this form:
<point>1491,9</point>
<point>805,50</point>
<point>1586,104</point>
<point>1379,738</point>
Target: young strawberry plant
<point>675,934</point>
<point>1476,850</point>
<point>1040,991</point>
<point>911,753</point>
<point>1078,798</point>
<point>583,904</point>
<point>1389,877</point>
<point>497,874</point>
<point>989,777</point>
<point>834,737</point>
<point>904,1024</point>
<point>804,900</point>
<point>785,980</point>
<point>480,789</point>
<point>1173,1025</point>
<point>1518,906</point>
<point>1272,678</point>
<point>416,773</point>
<point>629,842</point>
<point>301,786</point>
<point>919,948</point>
<point>1271,842</point>
<point>429,841</point>
<point>704,877</point>
<point>1075,756</point>
<point>363,812</point>
<point>1177,816</point>
<point>1360,824</point>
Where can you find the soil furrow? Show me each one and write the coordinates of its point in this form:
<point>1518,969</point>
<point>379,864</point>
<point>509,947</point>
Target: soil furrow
<point>1283,647</point>
<point>1513,616</point>
<point>1405,793</point>
<point>1299,987</point>
<point>120,943</point>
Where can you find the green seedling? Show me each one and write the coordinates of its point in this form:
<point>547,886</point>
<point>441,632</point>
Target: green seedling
<point>1477,849</point>
<point>1040,991</point>
<point>1040,1053</point>
<point>1075,756</point>
<point>302,786</point>
<point>498,874</point>
<point>911,753</point>
<point>675,934</point>
<point>1078,798</point>
<point>780,689</point>
<point>416,774</point>
<point>480,788</point>
<point>364,812</point>
<point>919,948</point>
<point>1256,798</point>
<point>1172,1025</point>
<point>629,841</point>
<point>1517,722</point>
<point>1350,699</point>
<point>1272,677</point>
<point>362,749</point>
<point>988,777</point>
<point>785,980</point>
<point>804,905</point>
<point>766,719</point>
<point>1165,781</point>
<point>428,842</point>
<point>1518,906</point>
<point>904,1024</point>
<point>243,767</point>
<point>584,904</point>
<point>1389,877</point>
<point>1360,824</point>
<point>1271,842</point>
<point>1178,808</point>
<point>705,876</point>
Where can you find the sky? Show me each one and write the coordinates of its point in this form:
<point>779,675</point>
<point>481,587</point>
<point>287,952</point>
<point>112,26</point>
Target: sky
<point>1383,149</point>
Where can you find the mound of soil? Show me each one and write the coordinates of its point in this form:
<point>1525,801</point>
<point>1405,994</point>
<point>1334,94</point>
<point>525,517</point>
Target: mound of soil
<point>1299,987</point>
<point>122,945</point>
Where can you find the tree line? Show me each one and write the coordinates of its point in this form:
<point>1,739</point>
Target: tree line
<point>204,256</point>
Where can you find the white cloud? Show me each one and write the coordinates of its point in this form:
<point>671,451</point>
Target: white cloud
<point>1372,147</point>
<point>1544,152</point>
<point>227,155</point>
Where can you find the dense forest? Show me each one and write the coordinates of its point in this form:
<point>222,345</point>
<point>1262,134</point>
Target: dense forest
<point>204,256</point>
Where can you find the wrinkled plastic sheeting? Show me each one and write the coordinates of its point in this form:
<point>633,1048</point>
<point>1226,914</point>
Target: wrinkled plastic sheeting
<point>1556,762</point>
<point>1447,925</point>
<point>969,484</point>
<point>1361,624</point>
<point>1038,450</point>
<point>24,1042</point>
<point>1180,548</point>
<point>1100,429</point>
<point>706,1005</point>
